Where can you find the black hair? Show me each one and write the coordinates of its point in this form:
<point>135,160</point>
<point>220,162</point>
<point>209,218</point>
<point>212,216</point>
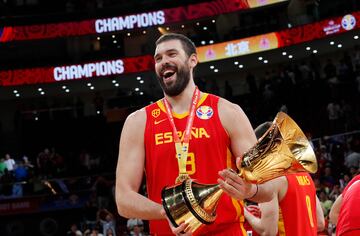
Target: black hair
<point>188,45</point>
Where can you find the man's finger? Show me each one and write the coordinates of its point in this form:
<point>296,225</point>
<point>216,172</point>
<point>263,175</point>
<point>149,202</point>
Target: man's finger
<point>181,229</point>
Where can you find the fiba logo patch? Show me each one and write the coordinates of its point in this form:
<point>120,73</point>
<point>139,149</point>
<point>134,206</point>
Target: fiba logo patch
<point>204,112</point>
<point>348,22</point>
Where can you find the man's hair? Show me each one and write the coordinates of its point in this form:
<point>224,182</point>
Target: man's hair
<point>262,128</point>
<point>188,45</point>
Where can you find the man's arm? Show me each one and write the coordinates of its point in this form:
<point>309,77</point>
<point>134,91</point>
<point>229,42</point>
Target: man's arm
<point>335,210</point>
<point>268,223</point>
<point>319,216</point>
<point>129,171</point>
<point>238,127</point>
<point>242,137</point>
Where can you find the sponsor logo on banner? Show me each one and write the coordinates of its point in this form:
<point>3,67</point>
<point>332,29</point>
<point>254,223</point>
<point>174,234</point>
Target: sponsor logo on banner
<point>17,205</point>
<point>204,112</point>
<point>332,28</point>
<point>348,22</point>
<point>210,54</point>
<point>264,43</point>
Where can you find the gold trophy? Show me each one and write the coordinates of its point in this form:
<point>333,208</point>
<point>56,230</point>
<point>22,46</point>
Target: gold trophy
<point>282,149</point>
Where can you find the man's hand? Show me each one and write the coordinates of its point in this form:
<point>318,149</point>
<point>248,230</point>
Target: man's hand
<point>181,230</point>
<point>235,186</point>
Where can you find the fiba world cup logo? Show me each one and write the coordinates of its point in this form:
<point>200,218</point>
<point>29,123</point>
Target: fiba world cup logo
<point>348,22</point>
<point>204,112</point>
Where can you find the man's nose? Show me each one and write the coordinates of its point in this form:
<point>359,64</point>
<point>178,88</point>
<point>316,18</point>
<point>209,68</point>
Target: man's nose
<point>164,64</point>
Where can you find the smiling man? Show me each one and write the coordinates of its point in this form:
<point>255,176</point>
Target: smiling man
<point>186,134</point>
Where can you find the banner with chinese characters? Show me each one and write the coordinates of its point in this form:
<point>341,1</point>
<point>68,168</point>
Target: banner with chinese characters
<point>129,22</point>
<point>238,47</point>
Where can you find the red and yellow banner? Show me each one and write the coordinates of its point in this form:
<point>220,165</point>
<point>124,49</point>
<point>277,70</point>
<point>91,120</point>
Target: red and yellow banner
<point>238,47</point>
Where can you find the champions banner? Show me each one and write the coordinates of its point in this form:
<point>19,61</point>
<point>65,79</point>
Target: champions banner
<point>207,53</point>
<point>75,72</point>
<point>129,22</point>
<point>279,39</point>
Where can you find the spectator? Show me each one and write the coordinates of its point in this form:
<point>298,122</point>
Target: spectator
<point>43,163</point>
<point>74,231</point>
<point>334,113</point>
<point>103,192</point>
<point>2,166</point>
<point>21,173</point>
<point>6,181</point>
<point>336,191</point>
<point>94,232</point>
<point>9,162</point>
<point>327,179</point>
<point>90,212</point>
<point>107,221</point>
<point>135,226</point>
<point>325,203</point>
<point>353,159</point>
<point>344,181</point>
<point>27,163</point>
<point>109,232</point>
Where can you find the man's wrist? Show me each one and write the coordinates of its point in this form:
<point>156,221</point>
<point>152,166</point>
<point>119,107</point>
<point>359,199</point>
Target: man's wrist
<point>255,191</point>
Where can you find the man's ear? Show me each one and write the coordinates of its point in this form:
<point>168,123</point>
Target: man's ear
<point>193,60</point>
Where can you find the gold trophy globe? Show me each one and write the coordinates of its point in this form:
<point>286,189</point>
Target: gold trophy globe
<point>281,150</point>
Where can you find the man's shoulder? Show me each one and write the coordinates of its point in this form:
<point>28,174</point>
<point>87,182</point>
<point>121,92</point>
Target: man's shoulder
<point>226,104</point>
<point>136,118</point>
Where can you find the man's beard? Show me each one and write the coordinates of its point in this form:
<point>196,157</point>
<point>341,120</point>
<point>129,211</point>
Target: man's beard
<point>179,84</point>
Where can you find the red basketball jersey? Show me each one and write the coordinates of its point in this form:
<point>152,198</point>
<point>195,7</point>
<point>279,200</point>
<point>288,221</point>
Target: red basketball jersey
<point>349,216</point>
<point>297,216</point>
<point>209,152</point>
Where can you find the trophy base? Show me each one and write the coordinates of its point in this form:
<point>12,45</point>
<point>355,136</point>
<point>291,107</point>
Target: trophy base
<point>178,207</point>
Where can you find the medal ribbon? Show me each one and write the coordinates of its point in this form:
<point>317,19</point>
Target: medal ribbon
<point>183,148</point>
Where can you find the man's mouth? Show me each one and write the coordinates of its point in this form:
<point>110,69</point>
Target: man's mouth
<point>168,71</point>
<point>168,74</point>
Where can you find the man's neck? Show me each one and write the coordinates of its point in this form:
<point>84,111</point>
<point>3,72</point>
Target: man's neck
<point>181,103</point>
